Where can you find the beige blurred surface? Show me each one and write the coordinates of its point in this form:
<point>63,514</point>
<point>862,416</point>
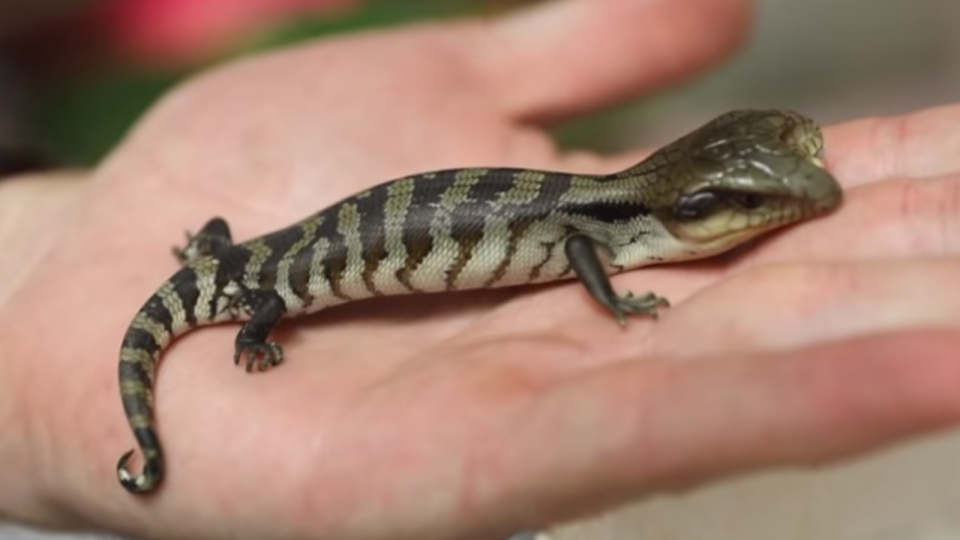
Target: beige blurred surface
<point>833,59</point>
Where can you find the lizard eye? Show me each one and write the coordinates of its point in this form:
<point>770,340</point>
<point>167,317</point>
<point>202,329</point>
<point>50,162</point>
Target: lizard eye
<point>695,205</point>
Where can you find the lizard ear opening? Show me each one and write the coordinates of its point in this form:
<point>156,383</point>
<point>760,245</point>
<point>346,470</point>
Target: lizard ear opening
<point>746,200</point>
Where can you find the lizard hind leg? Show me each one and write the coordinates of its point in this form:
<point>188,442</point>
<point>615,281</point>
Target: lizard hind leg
<point>213,237</point>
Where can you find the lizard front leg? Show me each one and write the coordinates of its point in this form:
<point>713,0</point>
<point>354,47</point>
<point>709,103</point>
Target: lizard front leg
<point>582,254</point>
<point>212,238</point>
<point>267,310</point>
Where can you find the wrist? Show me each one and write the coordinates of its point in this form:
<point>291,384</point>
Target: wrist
<point>30,212</point>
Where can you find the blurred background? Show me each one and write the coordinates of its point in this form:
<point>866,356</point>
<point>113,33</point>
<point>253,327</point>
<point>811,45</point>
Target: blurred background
<point>76,74</point>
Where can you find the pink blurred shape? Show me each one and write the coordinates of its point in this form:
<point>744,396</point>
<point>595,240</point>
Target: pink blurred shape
<point>185,30</point>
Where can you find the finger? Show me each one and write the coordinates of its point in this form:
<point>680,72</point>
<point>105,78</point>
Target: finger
<point>919,144</point>
<point>568,56</point>
<point>780,307</point>
<point>924,143</point>
<point>633,428</point>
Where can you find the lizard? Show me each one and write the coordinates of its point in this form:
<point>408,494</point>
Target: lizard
<point>740,175</point>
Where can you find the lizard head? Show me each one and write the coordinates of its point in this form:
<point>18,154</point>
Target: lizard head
<point>743,174</point>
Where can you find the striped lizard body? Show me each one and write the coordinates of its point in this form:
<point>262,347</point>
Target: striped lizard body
<point>740,175</point>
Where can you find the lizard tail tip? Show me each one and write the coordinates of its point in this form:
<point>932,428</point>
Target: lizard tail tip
<point>143,483</point>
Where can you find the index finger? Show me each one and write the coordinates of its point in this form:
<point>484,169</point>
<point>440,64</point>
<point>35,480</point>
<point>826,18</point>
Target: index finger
<point>919,144</point>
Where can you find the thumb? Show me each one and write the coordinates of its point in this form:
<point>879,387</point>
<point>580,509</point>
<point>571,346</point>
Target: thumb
<point>569,56</point>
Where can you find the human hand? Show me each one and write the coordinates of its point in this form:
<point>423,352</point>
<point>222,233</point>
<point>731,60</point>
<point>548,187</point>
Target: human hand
<point>476,414</point>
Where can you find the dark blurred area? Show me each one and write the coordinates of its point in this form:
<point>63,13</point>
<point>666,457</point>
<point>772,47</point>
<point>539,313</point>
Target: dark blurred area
<point>26,28</point>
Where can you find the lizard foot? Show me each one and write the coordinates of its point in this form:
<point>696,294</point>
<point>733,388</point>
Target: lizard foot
<point>263,356</point>
<point>645,304</point>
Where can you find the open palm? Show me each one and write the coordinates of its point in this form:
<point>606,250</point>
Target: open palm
<point>481,413</point>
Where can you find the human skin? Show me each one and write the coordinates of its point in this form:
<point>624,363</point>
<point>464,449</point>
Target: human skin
<point>477,414</point>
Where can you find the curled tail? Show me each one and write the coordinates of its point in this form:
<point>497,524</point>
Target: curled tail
<point>165,315</point>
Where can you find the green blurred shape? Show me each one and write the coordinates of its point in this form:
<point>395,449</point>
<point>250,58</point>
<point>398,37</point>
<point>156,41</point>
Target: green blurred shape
<point>78,122</point>
<point>366,15</point>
